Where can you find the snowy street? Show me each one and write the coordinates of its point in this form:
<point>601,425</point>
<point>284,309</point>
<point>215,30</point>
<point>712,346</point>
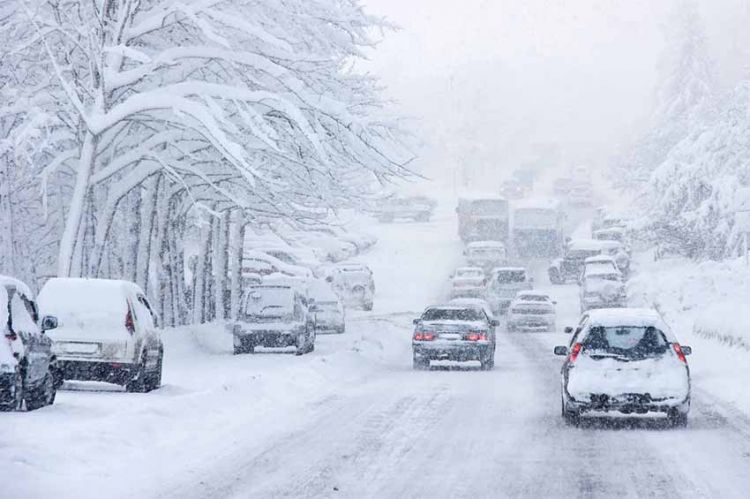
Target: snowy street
<point>354,420</point>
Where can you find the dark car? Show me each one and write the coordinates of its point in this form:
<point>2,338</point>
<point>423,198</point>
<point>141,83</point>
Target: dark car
<point>454,332</point>
<point>28,368</point>
<point>569,267</point>
<point>624,360</point>
<point>273,317</point>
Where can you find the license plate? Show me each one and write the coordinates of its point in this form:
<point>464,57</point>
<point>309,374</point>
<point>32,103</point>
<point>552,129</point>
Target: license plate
<point>450,336</point>
<point>81,347</point>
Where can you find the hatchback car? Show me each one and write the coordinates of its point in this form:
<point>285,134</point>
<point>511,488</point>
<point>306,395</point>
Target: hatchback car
<point>273,317</point>
<point>454,332</point>
<point>486,254</point>
<point>602,287</point>
<point>108,331</point>
<point>28,367</point>
<point>354,284</point>
<point>626,361</point>
<point>504,284</point>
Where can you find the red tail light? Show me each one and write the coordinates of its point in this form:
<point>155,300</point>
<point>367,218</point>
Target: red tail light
<point>476,336</point>
<point>575,351</point>
<point>11,335</point>
<point>679,352</point>
<point>129,324</point>
<point>424,336</point>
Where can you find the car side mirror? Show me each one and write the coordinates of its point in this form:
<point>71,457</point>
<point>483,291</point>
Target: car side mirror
<point>415,322</point>
<point>494,322</point>
<point>49,322</point>
<point>686,350</point>
<point>561,351</point>
<point>568,330</point>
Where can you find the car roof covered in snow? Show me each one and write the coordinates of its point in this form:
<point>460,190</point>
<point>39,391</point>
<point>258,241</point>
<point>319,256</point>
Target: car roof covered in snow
<point>73,284</point>
<point>353,267</point>
<point>610,230</point>
<point>643,317</point>
<point>586,244</point>
<point>485,244</point>
<point>602,269</point>
<point>12,282</point>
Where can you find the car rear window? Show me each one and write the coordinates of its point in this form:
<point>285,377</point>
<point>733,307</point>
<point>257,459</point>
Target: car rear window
<point>510,276</point>
<point>269,302</point>
<point>626,341</point>
<point>453,314</point>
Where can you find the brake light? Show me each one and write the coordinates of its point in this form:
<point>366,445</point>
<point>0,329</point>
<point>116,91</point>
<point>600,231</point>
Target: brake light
<point>680,354</point>
<point>129,324</point>
<point>476,336</point>
<point>575,351</point>
<point>424,336</point>
<point>11,335</point>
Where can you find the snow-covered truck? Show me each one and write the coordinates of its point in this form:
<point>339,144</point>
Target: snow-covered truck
<point>483,219</point>
<point>538,228</point>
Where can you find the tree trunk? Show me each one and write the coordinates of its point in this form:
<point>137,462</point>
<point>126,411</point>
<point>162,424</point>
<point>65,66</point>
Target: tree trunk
<point>237,239</point>
<point>199,278</point>
<point>145,230</point>
<point>77,204</point>
<point>221,250</point>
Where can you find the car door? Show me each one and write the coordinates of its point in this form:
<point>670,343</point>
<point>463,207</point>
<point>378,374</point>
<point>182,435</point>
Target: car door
<point>149,326</point>
<point>37,346</point>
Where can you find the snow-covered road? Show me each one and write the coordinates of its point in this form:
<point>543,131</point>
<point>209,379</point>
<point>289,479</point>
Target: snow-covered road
<point>354,420</point>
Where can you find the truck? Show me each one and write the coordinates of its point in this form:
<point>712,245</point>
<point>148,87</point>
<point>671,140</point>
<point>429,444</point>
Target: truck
<point>483,219</point>
<point>538,228</point>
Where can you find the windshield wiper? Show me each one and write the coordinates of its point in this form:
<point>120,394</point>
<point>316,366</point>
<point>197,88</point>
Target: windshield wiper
<point>607,355</point>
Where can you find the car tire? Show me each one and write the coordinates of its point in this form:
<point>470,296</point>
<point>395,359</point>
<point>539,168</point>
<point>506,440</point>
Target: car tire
<point>367,307</point>
<point>17,402</point>
<point>43,395</point>
<point>677,418</point>
<point>487,361</point>
<point>420,364</point>
<point>301,345</point>
<point>554,276</point>
<point>570,418</point>
<point>153,381</point>
<point>137,383</point>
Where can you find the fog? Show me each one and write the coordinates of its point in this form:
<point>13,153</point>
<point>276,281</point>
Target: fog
<point>492,85</point>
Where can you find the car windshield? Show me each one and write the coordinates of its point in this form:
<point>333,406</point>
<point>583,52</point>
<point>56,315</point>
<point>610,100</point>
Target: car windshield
<point>632,342</point>
<point>510,276</point>
<point>469,274</point>
<point>453,314</point>
<point>269,303</point>
<point>533,298</point>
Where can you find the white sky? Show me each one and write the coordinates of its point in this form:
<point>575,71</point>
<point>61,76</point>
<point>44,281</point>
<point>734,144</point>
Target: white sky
<point>493,82</point>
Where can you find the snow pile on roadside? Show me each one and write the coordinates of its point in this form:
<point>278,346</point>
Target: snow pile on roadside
<point>709,298</point>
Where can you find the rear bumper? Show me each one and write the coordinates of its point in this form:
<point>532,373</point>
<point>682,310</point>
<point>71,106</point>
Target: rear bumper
<point>268,339</point>
<point>460,352</point>
<point>531,323</point>
<point>7,388</point>
<point>467,292</point>
<point>631,403</point>
<point>111,372</point>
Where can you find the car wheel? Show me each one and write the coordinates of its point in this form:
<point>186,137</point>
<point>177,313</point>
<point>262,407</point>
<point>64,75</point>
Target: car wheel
<point>554,276</point>
<point>367,307</point>
<point>153,380</point>
<point>487,361</point>
<point>677,418</point>
<point>571,418</point>
<point>15,404</point>
<point>341,330</point>
<point>137,383</point>
<point>301,345</point>
<point>43,395</point>
<point>420,364</point>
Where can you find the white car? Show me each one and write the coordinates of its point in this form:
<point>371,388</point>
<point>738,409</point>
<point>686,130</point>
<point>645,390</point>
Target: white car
<point>354,284</point>
<point>326,307</point>
<point>107,331</point>
<point>628,361</point>
<point>532,311</point>
<point>258,262</point>
<point>299,257</point>
<point>504,284</point>
<point>602,288</point>
<point>599,264</point>
<point>486,254</point>
<point>468,282</point>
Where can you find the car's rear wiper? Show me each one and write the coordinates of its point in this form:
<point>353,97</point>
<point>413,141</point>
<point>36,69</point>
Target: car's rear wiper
<point>606,355</point>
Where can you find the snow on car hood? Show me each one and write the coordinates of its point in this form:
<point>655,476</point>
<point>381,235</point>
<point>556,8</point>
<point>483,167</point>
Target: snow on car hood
<point>661,377</point>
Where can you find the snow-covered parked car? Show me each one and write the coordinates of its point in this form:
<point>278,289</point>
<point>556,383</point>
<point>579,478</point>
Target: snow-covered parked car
<point>259,262</point>
<point>28,367</point>
<point>504,284</point>
<point>454,332</point>
<point>327,308</point>
<point>416,208</point>
<point>107,331</point>
<point>486,254</point>
<point>273,317</point>
<point>628,361</point>
<point>599,264</point>
<point>619,253</point>
<point>354,283</point>
<point>602,287</point>
<point>569,267</point>
<point>531,311</point>
<point>468,282</point>
<point>298,257</point>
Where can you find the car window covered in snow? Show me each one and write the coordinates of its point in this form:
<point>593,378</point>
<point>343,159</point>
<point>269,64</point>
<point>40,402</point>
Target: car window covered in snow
<point>453,314</point>
<point>510,276</point>
<point>269,302</point>
<point>629,341</point>
<point>22,314</point>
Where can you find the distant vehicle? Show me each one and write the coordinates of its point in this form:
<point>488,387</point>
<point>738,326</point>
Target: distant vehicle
<point>28,368</point>
<point>108,331</point>
<point>614,234</point>
<point>504,284</point>
<point>486,254</point>
<point>538,228</point>
<point>468,282</point>
<point>454,332</point>
<point>354,283</point>
<point>628,361</point>
<point>619,253</point>
<point>483,219</point>
<point>531,311</point>
<point>273,317</point>
<point>474,302</point>
<point>561,186</point>
<point>599,264</point>
<point>581,194</point>
<point>259,262</point>
<point>512,189</point>
<point>525,178</point>
<point>298,257</point>
<point>416,208</point>
<point>602,287</point>
<point>327,308</point>
<point>569,267</point>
